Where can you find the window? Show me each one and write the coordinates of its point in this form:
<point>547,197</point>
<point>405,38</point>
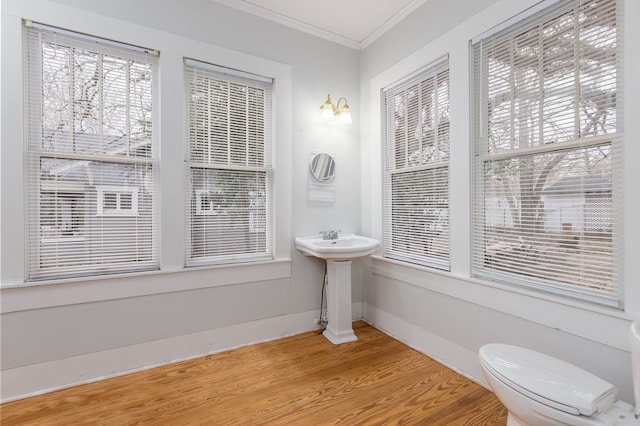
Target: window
<point>206,203</point>
<point>547,156</point>
<point>416,179</point>
<point>229,165</point>
<point>91,156</point>
<point>61,212</point>
<point>117,200</point>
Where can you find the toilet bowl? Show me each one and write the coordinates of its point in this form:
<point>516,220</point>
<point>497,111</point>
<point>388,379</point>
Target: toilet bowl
<point>538,389</point>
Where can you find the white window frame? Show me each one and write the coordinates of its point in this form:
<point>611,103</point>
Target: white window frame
<point>424,241</point>
<point>506,268</point>
<point>87,154</point>
<point>203,158</point>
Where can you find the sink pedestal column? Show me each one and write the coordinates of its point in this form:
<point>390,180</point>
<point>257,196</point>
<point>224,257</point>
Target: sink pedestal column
<point>339,329</point>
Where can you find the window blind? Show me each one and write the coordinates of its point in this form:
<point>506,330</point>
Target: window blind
<point>416,178</point>
<point>229,166</point>
<point>90,114</point>
<point>548,152</point>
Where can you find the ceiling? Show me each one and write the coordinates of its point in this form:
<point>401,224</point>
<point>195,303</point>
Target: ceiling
<point>354,23</point>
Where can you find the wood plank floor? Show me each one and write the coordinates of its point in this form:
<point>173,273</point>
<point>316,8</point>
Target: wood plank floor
<point>299,380</point>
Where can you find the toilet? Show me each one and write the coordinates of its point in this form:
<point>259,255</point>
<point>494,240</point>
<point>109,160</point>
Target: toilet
<point>539,390</point>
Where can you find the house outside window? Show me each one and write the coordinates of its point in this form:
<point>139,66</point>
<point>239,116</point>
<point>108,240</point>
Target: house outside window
<point>91,165</point>
<point>547,152</point>
<point>416,179</point>
<point>230,175</point>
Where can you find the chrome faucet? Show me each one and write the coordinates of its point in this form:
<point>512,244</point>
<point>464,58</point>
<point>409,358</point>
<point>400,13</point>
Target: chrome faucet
<point>329,235</point>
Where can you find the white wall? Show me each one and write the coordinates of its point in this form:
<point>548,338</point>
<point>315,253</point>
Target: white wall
<point>450,315</point>
<point>59,333</point>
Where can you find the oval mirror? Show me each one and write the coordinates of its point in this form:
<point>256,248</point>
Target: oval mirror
<point>323,167</point>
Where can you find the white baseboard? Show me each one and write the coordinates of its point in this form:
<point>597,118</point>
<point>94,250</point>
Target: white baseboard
<point>31,380</point>
<point>451,355</point>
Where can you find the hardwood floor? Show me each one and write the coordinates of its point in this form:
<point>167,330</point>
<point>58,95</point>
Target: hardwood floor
<point>299,380</point>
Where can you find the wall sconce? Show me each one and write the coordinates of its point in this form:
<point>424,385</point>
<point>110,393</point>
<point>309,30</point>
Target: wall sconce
<point>329,111</point>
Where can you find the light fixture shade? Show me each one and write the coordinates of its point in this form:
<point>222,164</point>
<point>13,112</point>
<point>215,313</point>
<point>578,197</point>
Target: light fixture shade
<point>345,114</point>
<point>327,110</point>
<point>326,113</point>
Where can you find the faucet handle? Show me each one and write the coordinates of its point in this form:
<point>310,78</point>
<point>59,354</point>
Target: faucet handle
<point>330,234</point>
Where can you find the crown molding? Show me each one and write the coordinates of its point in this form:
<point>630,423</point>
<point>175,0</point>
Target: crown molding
<point>319,32</point>
<point>393,21</point>
<point>289,22</point>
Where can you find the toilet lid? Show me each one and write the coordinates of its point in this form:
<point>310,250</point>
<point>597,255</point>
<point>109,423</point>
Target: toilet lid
<point>548,380</point>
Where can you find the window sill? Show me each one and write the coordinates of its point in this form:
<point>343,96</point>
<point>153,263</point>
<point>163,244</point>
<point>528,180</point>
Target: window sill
<point>46,294</point>
<point>567,315</point>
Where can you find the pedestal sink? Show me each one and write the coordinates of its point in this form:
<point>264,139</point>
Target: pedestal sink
<point>338,254</point>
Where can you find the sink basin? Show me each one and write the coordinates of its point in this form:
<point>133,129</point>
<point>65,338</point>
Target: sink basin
<point>345,247</point>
